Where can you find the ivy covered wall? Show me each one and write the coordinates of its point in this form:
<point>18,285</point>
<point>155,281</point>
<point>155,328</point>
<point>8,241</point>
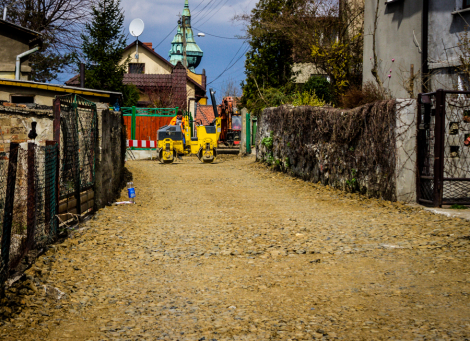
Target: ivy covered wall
<point>370,149</point>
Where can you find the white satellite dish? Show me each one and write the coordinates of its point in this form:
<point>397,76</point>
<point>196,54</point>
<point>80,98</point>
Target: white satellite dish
<point>136,28</point>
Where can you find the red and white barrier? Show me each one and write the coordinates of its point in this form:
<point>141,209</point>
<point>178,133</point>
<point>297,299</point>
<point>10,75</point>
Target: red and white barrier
<point>141,144</point>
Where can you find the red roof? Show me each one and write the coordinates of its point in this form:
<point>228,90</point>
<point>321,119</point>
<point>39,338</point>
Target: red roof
<point>205,113</point>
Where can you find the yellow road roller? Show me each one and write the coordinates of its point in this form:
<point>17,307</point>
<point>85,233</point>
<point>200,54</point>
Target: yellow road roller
<point>171,143</point>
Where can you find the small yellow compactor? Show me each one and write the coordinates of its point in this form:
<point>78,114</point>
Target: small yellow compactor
<point>171,143</point>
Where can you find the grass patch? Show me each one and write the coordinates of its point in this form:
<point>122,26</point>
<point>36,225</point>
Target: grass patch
<point>458,207</point>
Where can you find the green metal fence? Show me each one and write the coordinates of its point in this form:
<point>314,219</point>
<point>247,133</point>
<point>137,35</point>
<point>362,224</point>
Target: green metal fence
<point>143,123</point>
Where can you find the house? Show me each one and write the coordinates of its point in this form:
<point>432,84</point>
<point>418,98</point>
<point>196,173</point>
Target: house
<point>18,43</point>
<point>153,73</point>
<point>342,23</point>
<point>161,83</point>
<point>418,44</point>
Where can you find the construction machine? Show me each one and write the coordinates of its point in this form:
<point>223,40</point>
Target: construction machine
<point>231,124</point>
<point>171,144</point>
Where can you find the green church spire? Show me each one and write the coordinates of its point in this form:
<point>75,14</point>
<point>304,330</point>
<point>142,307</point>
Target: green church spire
<point>193,52</point>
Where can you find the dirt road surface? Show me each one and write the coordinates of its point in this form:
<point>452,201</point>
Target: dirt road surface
<point>233,251</point>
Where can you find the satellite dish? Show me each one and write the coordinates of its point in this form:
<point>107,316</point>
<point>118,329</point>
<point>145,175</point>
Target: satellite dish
<point>136,27</point>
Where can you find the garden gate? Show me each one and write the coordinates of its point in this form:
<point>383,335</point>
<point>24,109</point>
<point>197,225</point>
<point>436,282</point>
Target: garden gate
<point>443,175</point>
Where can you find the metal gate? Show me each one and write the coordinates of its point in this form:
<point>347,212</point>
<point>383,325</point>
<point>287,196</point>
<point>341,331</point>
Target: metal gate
<point>443,176</point>
<point>78,137</point>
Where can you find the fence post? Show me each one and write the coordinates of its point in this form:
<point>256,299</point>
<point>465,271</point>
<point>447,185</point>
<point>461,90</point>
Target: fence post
<point>56,122</point>
<point>133,123</point>
<point>51,189</point>
<point>255,128</point>
<point>439,147</point>
<point>248,133</point>
<point>77,158</point>
<point>8,214</point>
<point>31,204</point>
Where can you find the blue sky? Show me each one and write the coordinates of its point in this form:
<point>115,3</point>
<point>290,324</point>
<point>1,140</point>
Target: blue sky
<point>212,17</point>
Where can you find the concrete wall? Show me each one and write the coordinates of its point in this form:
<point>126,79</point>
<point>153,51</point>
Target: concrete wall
<point>315,144</point>
<point>304,71</point>
<point>398,37</point>
<point>445,30</point>
<point>406,149</point>
<point>111,150</point>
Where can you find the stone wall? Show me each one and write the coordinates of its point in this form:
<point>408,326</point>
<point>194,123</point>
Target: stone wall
<point>111,151</point>
<point>15,124</point>
<point>371,149</point>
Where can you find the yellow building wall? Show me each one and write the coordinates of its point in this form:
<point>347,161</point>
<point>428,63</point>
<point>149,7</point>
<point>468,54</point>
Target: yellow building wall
<point>153,65</point>
<point>190,90</point>
<point>194,76</point>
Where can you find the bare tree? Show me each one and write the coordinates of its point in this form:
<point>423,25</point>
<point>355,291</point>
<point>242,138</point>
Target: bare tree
<point>229,88</point>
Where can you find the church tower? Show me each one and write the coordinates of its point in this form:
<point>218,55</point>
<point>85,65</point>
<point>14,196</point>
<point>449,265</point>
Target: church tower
<point>193,52</point>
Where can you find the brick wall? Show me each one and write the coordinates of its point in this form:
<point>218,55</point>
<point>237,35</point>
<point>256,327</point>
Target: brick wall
<point>179,86</point>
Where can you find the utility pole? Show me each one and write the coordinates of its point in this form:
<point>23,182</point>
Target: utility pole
<point>185,63</point>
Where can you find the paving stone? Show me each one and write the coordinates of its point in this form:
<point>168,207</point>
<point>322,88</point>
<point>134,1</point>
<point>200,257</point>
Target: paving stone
<point>232,251</point>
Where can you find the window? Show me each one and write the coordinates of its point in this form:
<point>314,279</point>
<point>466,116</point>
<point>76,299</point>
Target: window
<point>22,99</point>
<point>137,68</point>
<point>465,3</point>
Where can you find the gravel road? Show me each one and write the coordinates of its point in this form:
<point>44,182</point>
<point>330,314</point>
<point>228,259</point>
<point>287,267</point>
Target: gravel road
<point>233,251</point>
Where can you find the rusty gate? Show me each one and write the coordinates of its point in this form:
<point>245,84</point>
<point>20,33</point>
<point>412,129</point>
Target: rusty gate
<point>443,174</point>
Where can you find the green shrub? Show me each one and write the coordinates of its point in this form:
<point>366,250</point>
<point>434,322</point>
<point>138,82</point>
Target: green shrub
<point>130,95</point>
<point>307,98</point>
<point>320,86</point>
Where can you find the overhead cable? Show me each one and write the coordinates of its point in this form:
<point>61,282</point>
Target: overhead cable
<point>230,64</point>
<point>215,12</point>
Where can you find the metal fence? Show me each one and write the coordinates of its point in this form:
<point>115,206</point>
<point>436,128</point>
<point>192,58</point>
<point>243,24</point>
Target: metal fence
<point>28,201</point>
<point>444,148</point>
<point>35,179</point>
<point>78,137</point>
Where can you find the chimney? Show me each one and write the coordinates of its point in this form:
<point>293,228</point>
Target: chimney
<point>149,45</point>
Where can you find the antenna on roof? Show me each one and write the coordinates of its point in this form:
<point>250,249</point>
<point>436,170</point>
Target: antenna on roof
<point>136,28</point>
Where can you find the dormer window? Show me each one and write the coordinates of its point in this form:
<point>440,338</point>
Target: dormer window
<point>138,68</point>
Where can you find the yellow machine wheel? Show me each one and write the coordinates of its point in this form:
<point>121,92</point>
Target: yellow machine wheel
<point>166,157</point>
<point>207,156</point>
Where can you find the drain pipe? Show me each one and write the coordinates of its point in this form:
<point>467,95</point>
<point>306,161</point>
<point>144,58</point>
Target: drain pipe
<point>5,13</point>
<point>18,61</point>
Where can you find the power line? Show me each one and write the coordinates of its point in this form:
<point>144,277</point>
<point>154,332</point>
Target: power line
<point>215,12</point>
<point>172,30</point>
<point>195,8</point>
<point>198,13</point>
<point>209,10</point>
<point>230,64</point>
